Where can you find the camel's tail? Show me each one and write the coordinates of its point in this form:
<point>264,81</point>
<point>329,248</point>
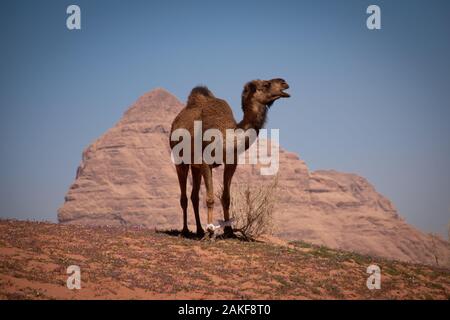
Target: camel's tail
<point>198,96</point>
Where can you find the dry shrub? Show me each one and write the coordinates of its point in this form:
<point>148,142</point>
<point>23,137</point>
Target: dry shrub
<point>434,249</point>
<point>252,208</point>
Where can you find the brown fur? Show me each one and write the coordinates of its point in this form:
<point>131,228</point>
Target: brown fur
<point>202,105</point>
<point>198,97</point>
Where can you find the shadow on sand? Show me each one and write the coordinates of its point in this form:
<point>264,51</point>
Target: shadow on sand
<point>193,236</point>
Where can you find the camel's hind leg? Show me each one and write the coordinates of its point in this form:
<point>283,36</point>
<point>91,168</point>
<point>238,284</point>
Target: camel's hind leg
<point>207,177</point>
<point>196,181</point>
<point>227,177</point>
<point>182,172</point>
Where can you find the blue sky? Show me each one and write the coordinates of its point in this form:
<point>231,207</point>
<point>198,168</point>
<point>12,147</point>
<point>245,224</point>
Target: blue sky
<point>376,103</point>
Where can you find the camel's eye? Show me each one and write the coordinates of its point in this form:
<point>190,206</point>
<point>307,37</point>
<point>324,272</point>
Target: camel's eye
<point>267,85</point>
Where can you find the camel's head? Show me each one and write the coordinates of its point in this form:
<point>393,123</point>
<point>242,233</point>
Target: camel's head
<point>265,91</point>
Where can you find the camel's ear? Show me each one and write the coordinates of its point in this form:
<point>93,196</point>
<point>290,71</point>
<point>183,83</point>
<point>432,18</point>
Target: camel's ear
<point>247,93</point>
<point>250,88</point>
<point>267,84</point>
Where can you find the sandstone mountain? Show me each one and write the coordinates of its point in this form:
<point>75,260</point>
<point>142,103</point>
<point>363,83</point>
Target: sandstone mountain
<point>126,177</point>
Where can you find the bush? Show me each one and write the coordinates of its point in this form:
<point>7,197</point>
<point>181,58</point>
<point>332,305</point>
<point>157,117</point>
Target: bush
<point>434,249</point>
<point>252,207</point>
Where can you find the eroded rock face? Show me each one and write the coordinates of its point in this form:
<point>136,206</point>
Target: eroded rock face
<point>126,177</point>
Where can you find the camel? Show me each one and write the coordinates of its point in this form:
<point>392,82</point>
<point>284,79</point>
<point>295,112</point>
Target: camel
<point>257,97</point>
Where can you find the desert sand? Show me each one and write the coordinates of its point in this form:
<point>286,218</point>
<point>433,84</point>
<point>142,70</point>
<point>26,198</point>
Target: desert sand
<point>138,263</point>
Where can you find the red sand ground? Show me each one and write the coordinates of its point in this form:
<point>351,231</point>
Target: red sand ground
<point>134,263</point>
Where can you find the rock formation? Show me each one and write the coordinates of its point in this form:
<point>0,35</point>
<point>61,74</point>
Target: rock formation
<point>126,178</point>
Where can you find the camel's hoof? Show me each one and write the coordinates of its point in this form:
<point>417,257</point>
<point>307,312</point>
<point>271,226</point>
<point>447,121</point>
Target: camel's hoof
<point>229,234</point>
<point>185,232</point>
<point>200,233</point>
<point>228,231</point>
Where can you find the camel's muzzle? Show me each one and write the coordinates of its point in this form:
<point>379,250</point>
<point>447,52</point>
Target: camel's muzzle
<point>285,94</point>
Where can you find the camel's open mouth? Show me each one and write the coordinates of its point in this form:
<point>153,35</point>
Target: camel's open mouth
<point>277,86</point>
<point>284,94</point>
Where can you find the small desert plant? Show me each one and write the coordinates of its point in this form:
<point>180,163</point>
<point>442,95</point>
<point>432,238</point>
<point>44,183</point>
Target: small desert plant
<point>252,207</point>
<point>434,250</point>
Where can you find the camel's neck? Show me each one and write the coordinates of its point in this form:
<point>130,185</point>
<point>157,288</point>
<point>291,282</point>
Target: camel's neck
<point>254,117</point>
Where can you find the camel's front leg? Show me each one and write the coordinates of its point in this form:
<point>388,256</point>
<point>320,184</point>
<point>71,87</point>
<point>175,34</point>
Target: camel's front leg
<point>227,177</point>
<point>207,177</point>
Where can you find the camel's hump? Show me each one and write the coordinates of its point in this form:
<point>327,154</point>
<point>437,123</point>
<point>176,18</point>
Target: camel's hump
<point>198,95</point>
<point>203,90</point>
